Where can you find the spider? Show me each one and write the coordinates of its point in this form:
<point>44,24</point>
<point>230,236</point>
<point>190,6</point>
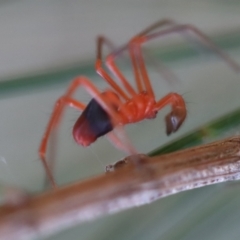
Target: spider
<point>113,108</point>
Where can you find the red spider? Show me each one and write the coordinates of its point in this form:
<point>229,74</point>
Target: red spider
<point>114,108</point>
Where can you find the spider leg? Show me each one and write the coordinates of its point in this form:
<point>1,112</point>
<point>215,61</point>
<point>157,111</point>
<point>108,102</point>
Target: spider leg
<point>51,127</point>
<point>159,24</point>
<point>202,38</point>
<point>112,68</point>
<point>115,70</point>
<point>139,68</point>
<point>100,70</point>
<point>121,140</point>
<point>178,113</point>
<point>146,35</point>
<point>106,103</point>
<point>161,68</point>
<point>132,52</point>
<point>118,135</point>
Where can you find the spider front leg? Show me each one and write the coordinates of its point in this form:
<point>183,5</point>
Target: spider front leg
<point>178,113</point>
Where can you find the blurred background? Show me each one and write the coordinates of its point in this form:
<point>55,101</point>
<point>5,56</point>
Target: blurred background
<point>45,44</point>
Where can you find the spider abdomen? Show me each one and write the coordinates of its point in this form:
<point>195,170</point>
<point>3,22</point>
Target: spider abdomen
<point>93,123</point>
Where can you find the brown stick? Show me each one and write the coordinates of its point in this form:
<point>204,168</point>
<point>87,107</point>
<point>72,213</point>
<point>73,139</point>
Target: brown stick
<point>134,181</point>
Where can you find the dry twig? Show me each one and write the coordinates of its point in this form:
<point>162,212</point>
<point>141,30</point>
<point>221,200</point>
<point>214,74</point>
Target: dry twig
<point>135,181</point>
